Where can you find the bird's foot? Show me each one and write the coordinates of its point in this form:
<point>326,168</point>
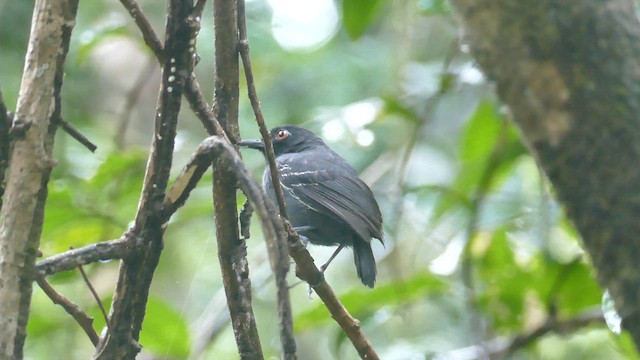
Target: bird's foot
<point>303,238</point>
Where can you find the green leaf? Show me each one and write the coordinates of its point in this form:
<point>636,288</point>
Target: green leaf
<point>165,331</point>
<point>119,165</point>
<point>481,133</point>
<point>362,303</point>
<point>487,153</point>
<point>358,15</point>
<point>571,287</point>
<point>626,346</point>
<point>504,284</point>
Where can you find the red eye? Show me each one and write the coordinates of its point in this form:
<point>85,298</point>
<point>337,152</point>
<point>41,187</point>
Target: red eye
<point>282,134</point>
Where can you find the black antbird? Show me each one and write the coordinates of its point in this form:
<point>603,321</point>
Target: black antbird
<point>327,203</point>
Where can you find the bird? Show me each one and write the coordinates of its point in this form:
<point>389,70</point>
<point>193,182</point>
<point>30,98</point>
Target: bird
<point>328,204</point>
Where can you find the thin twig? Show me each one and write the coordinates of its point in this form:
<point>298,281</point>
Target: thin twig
<point>128,244</point>
<point>198,8</point>
<point>192,90</point>
<point>199,106</point>
<point>553,325</point>
<point>77,135</point>
<point>281,262</point>
<point>95,296</point>
<point>505,347</point>
<point>149,36</point>
<point>257,110</point>
<point>84,320</point>
<point>307,271</point>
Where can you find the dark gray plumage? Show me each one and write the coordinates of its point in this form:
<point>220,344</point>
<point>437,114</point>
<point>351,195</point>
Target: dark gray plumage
<point>325,198</point>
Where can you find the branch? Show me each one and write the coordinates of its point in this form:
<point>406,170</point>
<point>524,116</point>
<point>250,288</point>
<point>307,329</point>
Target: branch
<point>584,136</point>
<point>94,293</point>
<point>556,326</point>
<point>5,127</point>
<point>129,245</point>
<point>189,177</point>
<point>501,348</point>
<point>192,91</point>
<point>307,271</point>
<point>132,290</point>
<point>149,36</point>
<point>84,320</point>
<point>30,166</point>
<point>231,249</point>
<point>243,45</point>
<point>279,258</point>
<point>77,135</point>
<point>121,248</point>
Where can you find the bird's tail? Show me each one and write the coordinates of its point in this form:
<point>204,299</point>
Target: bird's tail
<point>365,262</point>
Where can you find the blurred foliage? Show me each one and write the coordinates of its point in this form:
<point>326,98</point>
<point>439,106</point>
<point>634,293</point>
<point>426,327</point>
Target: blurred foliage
<point>389,88</point>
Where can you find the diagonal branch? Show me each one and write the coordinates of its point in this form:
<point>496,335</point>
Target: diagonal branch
<point>84,320</point>
<point>192,91</point>
<point>77,135</point>
<point>279,257</point>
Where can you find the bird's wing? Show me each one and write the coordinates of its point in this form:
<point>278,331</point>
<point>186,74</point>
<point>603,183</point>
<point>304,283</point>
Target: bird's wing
<point>331,186</point>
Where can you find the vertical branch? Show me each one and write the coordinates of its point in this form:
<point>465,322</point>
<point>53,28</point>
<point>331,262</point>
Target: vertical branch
<point>5,125</point>
<point>279,256</point>
<point>30,166</point>
<point>136,273</point>
<point>231,249</point>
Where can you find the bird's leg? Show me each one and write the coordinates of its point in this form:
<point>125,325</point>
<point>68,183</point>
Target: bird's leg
<point>335,253</point>
<point>326,265</point>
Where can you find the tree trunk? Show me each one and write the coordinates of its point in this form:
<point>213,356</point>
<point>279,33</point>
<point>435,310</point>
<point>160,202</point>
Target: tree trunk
<point>30,165</point>
<point>570,72</point>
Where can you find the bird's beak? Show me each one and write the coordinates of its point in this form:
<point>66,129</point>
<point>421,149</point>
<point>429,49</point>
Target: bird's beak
<point>252,144</point>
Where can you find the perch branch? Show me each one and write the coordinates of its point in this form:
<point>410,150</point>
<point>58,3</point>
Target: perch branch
<point>279,257</point>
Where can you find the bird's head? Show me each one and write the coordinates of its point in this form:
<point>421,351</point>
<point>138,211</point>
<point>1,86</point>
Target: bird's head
<point>287,139</point>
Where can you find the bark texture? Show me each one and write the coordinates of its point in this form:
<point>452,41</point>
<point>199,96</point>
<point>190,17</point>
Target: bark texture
<point>30,165</point>
<point>232,251</point>
<point>570,72</point>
